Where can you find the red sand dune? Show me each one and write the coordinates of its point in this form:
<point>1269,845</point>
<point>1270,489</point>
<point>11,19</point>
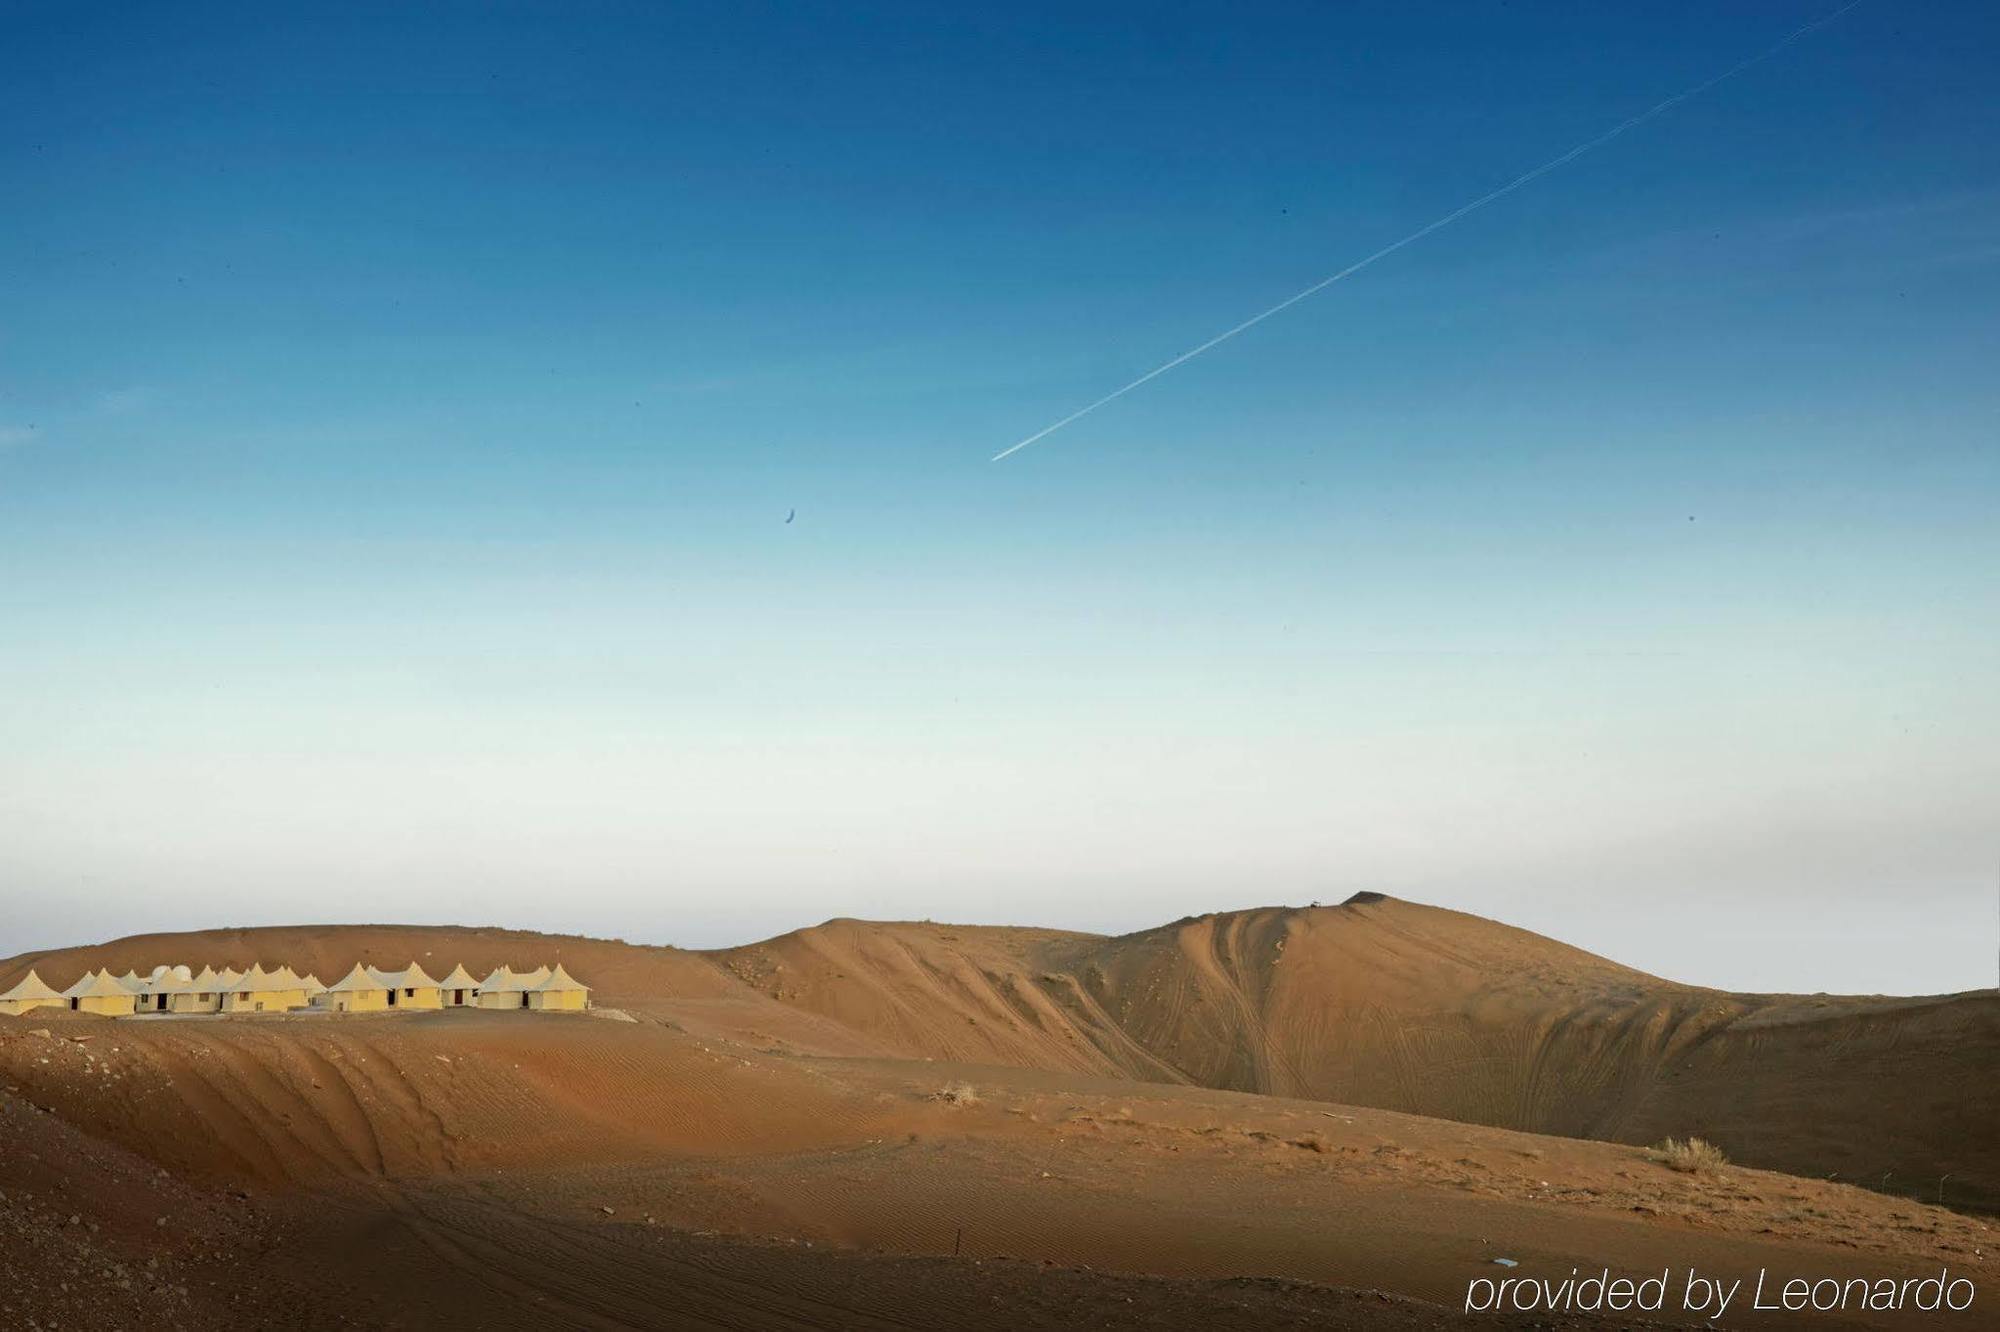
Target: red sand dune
<point>1321,1096</point>
<point>1392,1004</point>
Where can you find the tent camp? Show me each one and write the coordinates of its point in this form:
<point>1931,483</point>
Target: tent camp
<point>365,989</point>
<point>459,988</point>
<point>29,995</point>
<point>356,992</point>
<point>559,992</point>
<point>101,992</point>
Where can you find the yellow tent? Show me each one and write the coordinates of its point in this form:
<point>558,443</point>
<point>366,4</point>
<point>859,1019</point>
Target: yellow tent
<point>29,995</point>
<point>165,986</point>
<point>507,988</point>
<point>356,992</point>
<point>460,990</point>
<point>409,988</point>
<point>290,987</point>
<point>256,991</point>
<point>101,992</point>
<point>202,995</point>
<point>492,991</point>
<point>559,992</point>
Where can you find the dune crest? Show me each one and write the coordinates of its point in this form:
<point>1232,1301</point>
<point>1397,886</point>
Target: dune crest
<point>1375,1002</point>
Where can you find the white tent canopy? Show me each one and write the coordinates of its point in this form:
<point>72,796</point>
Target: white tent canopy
<point>504,980</point>
<point>459,979</point>
<point>358,979</point>
<point>98,984</point>
<point>559,980</point>
<point>30,986</point>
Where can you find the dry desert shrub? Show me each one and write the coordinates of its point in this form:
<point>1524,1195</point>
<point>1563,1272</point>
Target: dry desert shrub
<point>958,1093</point>
<point>1693,1156</point>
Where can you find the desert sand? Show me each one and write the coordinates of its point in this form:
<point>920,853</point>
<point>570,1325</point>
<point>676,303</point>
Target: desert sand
<point>1320,1117</point>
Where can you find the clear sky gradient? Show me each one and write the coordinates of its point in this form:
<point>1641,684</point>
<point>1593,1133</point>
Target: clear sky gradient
<point>400,412</point>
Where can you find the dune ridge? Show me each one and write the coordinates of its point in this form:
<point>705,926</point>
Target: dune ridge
<point>1254,1118</point>
<point>1375,1002</point>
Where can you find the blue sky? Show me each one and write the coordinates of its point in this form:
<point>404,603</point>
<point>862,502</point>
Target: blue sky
<point>399,415</point>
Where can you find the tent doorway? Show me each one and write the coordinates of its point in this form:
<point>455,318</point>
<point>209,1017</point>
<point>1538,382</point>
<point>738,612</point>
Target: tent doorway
<point>159,1003</point>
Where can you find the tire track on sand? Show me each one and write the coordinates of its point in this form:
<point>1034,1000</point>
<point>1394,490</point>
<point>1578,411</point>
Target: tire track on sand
<point>581,1276</point>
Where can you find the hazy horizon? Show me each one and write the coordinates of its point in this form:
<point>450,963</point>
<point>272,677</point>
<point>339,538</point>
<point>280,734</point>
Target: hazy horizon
<point>1722,968</point>
<point>486,466</point>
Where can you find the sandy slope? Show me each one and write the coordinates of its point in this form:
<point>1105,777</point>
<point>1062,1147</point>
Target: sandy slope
<point>1391,1004</point>
<point>478,1135</point>
<point>1377,1002</point>
<point>771,1142</point>
<point>92,1235</point>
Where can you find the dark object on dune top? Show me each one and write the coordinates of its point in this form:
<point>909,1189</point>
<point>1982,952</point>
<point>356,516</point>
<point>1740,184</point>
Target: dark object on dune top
<point>1365,899</point>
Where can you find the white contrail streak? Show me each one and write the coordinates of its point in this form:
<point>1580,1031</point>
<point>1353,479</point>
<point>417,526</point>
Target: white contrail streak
<point>1658,109</point>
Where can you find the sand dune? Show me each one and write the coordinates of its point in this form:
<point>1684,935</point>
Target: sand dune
<point>573,1160</point>
<point>1387,1003</point>
<point>1377,1002</point>
<point>1321,1099</point>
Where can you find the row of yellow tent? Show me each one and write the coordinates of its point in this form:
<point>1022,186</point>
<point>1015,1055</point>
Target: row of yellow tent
<point>362,990</point>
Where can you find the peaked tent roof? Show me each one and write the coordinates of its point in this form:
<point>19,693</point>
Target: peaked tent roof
<point>497,979</point>
<point>229,976</point>
<point>130,980</point>
<point>96,985</point>
<point>411,977</point>
<point>415,975</point>
<point>31,987</point>
<point>361,978</point>
<point>511,981</point>
<point>254,980</point>
<point>207,980</point>
<point>459,979</point>
<point>560,980</point>
<point>310,984</point>
<point>171,982</point>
